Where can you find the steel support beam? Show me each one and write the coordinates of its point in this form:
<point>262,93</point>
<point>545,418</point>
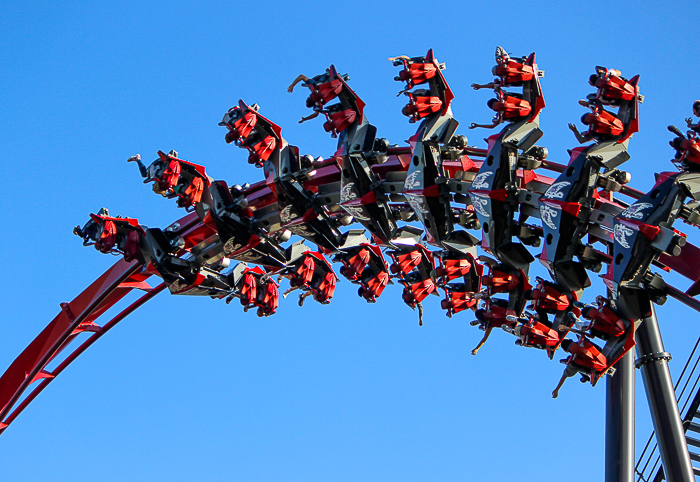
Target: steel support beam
<point>653,362</point>
<point>619,422</point>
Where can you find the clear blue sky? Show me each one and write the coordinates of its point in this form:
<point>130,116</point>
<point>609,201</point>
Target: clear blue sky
<point>192,389</point>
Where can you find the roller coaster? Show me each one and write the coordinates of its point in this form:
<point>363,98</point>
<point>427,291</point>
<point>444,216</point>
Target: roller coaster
<point>408,215</point>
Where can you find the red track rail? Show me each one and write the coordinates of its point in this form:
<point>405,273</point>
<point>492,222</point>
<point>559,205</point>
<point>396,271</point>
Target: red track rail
<point>75,317</point>
<point>79,315</point>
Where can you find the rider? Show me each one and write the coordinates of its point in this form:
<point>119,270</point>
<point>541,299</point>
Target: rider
<point>493,316</point>
<point>696,112</point>
<point>319,79</point>
<point>585,358</point>
<point>601,124</point>
<point>416,70</point>
<point>311,82</point>
<point>508,72</point>
<point>509,107</point>
<point>421,104</point>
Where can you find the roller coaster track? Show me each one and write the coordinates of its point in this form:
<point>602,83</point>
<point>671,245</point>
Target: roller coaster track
<point>81,315</point>
<point>312,199</point>
<point>76,317</point>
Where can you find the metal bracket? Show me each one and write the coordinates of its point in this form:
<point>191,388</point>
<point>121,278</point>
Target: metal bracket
<point>65,307</point>
<point>663,355</point>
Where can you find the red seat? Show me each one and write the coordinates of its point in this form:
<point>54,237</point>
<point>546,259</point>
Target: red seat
<point>405,263</point>
<point>108,237</point>
<point>603,122</point>
<point>244,126</point>
<point>353,266</point>
<point>500,282</point>
<point>422,106</point>
<point>170,176</point>
<point>538,334</point>
<point>262,151</point>
<point>456,301</point>
<point>549,298</point>
<point>192,194</point>
<point>248,289</point>
<point>495,316</point>
<point>267,299</point>
<point>588,355</point>
<point>512,107</point>
<point>374,287</point>
<point>605,320</point>
<point>302,275</point>
<point>417,292</point>
<point>691,149</point>
<point>132,246</point>
<point>614,87</point>
<point>326,288</point>
<point>512,72</point>
<point>417,73</point>
<point>326,91</point>
<point>339,121</point>
<point>453,269</point>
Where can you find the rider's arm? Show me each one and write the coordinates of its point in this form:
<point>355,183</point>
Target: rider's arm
<point>299,78</point>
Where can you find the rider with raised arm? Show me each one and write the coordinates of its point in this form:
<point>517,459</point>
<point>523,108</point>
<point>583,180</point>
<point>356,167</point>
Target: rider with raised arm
<point>313,83</point>
<point>324,77</point>
<point>601,123</point>
<point>497,119</point>
<point>696,112</point>
<point>495,85</point>
<point>315,114</point>
<point>507,72</point>
<point>406,57</point>
<point>586,136</point>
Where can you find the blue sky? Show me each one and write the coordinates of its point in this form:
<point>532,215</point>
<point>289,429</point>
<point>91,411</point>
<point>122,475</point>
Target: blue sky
<point>192,389</point>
